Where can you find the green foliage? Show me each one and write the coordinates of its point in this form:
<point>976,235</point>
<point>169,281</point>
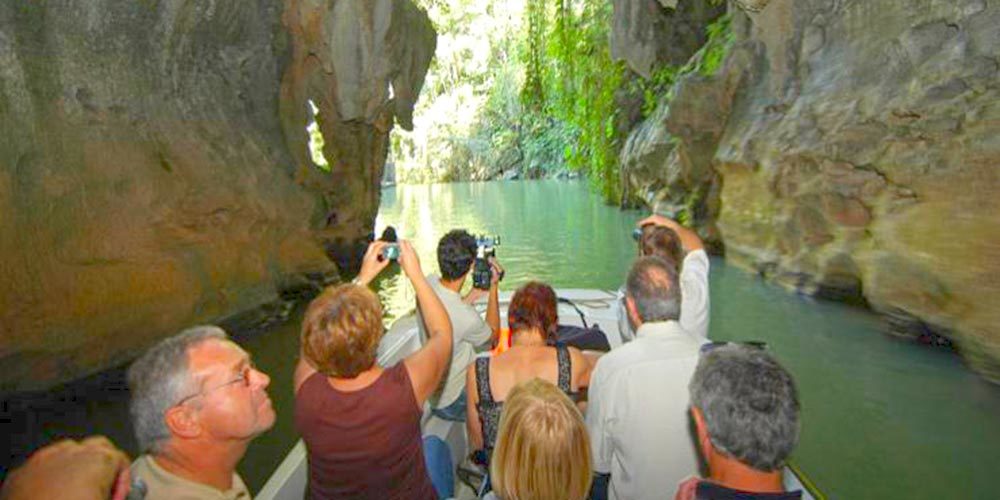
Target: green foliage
<point>532,93</point>
<point>710,56</point>
<point>537,89</point>
<point>655,88</point>
<point>687,213</point>
<point>316,141</point>
<point>579,82</point>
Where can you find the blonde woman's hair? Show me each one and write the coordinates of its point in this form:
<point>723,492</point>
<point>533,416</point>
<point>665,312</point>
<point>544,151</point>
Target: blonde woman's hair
<point>542,450</point>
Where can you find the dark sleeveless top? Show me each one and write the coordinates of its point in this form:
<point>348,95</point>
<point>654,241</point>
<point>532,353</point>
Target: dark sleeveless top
<point>365,443</point>
<point>490,410</point>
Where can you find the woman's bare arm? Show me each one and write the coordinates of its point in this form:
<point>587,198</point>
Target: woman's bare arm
<point>428,365</point>
<point>472,425</point>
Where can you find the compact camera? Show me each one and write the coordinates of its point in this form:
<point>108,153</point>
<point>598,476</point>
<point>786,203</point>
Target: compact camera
<point>390,251</point>
<point>481,271</point>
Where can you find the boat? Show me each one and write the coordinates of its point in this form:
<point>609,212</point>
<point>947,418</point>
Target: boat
<point>577,307</point>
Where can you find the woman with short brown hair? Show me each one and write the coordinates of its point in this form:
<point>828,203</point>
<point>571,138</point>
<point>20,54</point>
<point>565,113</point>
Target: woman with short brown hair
<point>361,421</point>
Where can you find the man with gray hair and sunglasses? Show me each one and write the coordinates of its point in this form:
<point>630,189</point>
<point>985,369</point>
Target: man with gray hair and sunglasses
<point>746,414</point>
<point>638,398</point>
<point>197,402</point>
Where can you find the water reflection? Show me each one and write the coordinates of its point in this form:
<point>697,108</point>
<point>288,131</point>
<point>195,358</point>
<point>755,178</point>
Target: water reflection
<point>552,231</point>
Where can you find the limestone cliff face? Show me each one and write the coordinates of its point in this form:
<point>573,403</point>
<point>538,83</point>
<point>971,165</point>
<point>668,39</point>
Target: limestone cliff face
<point>647,33</point>
<point>849,149</point>
<point>153,163</point>
<point>362,64</point>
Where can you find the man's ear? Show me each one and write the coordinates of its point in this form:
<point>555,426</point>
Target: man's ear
<point>702,432</point>
<point>633,312</point>
<point>182,422</point>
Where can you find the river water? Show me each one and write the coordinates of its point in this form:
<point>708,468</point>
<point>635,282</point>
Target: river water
<point>882,418</point>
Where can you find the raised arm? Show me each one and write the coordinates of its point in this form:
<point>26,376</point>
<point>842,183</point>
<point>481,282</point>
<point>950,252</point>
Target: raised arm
<point>493,304</point>
<point>689,239</point>
<point>693,279</point>
<point>428,365</point>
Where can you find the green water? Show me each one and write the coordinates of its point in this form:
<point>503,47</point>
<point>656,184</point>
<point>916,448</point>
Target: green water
<point>882,418</point>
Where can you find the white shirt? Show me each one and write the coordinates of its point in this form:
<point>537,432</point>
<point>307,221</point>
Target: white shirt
<point>694,298</point>
<point>469,331</point>
<point>637,416</point>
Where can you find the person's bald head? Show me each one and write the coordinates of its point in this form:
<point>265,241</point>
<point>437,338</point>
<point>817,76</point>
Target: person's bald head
<point>653,288</point>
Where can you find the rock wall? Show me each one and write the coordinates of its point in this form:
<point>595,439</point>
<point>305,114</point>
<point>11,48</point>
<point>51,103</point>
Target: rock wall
<point>850,150</point>
<point>154,172</point>
<point>361,76</point>
<point>647,33</point>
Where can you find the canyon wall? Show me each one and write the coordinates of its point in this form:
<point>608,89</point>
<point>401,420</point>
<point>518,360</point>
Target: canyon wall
<point>849,150</point>
<point>154,163</point>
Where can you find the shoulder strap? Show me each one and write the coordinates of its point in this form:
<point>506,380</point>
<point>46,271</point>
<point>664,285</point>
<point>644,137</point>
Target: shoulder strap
<point>565,362</point>
<point>483,379</point>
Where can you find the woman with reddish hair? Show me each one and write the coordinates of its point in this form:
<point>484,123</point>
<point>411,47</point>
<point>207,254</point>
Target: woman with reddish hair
<point>532,317</point>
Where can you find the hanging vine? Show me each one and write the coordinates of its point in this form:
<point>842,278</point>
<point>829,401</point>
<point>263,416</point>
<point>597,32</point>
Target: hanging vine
<point>578,83</point>
<point>532,94</point>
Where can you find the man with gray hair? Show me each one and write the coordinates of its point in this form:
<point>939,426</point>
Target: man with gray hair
<point>197,402</point>
<point>746,414</point>
<point>638,398</point>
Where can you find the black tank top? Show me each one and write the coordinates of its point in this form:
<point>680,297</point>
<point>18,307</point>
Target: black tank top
<point>490,410</point>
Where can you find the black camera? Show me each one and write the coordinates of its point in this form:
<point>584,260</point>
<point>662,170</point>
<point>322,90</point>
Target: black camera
<point>481,271</point>
<point>390,251</point>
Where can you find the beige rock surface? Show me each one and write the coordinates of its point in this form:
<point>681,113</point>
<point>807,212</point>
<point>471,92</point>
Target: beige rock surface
<point>153,167</point>
<point>646,33</point>
<point>857,159</point>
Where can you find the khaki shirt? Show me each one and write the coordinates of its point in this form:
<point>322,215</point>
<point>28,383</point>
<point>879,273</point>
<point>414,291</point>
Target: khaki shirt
<point>162,485</point>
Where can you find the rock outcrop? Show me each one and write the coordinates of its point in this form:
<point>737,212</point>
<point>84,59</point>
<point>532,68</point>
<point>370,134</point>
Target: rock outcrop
<point>648,33</point>
<point>154,170</point>
<point>853,149</point>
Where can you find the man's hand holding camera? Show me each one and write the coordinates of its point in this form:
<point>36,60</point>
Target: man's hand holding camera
<point>496,274</point>
<point>688,237</point>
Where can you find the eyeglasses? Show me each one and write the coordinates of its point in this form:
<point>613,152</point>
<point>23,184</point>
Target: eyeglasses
<point>753,344</point>
<point>243,377</point>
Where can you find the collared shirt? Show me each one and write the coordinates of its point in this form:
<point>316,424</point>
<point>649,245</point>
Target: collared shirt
<point>703,489</point>
<point>694,298</point>
<point>162,485</point>
<point>468,331</point>
<point>637,416</point>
